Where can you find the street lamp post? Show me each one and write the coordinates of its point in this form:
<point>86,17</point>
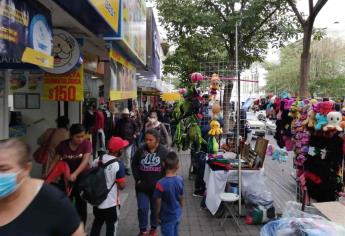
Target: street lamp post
<point>237,8</point>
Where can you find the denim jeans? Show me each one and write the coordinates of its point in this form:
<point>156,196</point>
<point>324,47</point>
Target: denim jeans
<point>146,202</point>
<point>170,228</point>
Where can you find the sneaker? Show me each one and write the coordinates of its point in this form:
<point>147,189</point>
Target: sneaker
<point>153,232</point>
<point>128,172</point>
<point>143,234</point>
<point>198,194</point>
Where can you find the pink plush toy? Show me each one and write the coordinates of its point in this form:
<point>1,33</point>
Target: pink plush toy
<point>196,77</point>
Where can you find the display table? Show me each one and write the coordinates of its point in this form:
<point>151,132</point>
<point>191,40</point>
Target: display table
<point>216,181</point>
<point>334,211</point>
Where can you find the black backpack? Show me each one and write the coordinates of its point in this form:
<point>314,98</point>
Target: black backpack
<point>93,184</point>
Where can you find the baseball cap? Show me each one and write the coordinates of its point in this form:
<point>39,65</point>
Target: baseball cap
<point>116,143</point>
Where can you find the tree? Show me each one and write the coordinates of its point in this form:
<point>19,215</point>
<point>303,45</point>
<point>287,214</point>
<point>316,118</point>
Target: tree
<point>307,26</point>
<point>327,69</point>
<point>204,30</point>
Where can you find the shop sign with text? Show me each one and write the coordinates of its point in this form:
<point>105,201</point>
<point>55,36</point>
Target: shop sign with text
<point>123,84</point>
<point>64,87</point>
<point>134,27</point>
<point>25,32</point>
<point>109,10</point>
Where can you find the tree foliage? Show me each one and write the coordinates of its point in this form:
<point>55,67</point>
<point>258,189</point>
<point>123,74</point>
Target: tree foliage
<point>327,69</point>
<point>204,30</point>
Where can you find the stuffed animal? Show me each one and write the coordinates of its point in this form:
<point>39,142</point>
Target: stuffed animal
<point>216,110</point>
<point>215,82</point>
<point>196,77</point>
<point>321,121</point>
<point>212,145</point>
<point>334,118</point>
<point>326,107</point>
<point>310,121</point>
<point>215,128</point>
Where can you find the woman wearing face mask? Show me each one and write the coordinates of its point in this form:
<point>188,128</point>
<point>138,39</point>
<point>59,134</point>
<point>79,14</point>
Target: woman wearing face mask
<point>76,152</point>
<point>29,207</point>
<point>153,123</point>
<point>147,170</point>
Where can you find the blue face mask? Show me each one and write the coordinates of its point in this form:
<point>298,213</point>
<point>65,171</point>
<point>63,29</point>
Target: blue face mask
<point>8,184</point>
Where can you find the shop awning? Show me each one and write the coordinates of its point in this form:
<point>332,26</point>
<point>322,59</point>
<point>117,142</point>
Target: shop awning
<point>148,84</point>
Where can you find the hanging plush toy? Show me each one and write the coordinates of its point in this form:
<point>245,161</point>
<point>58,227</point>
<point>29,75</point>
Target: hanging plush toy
<point>215,128</point>
<point>334,118</point>
<point>196,77</point>
<point>321,121</point>
<point>310,121</point>
<point>216,111</point>
<point>215,82</point>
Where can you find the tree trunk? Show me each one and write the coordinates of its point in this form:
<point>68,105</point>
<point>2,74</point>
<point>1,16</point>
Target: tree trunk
<point>305,60</point>
<point>227,105</point>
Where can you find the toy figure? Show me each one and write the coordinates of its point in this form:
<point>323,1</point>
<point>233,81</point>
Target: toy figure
<point>215,128</point>
<point>216,110</point>
<point>326,107</point>
<point>310,121</point>
<point>215,82</point>
<point>321,121</point>
<point>334,118</point>
<point>196,77</point>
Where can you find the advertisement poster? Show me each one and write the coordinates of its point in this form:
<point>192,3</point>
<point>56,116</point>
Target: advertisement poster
<point>134,27</point>
<point>123,84</point>
<point>25,81</point>
<point>64,87</point>
<point>109,10</point>
<point>25,32</point>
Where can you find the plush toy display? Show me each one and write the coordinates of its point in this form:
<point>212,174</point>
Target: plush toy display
<point>215,128</point>
<point>215,82</point>
<point>334,118</point>
<point>321,121</point>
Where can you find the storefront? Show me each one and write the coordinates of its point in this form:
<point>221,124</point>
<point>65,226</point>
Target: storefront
<point>35,93</point>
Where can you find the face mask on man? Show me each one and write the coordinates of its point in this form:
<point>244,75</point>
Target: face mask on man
<point>8,184</point>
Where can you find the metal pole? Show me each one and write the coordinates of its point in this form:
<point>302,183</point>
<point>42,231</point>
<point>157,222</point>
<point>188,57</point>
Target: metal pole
<point>238,125</point>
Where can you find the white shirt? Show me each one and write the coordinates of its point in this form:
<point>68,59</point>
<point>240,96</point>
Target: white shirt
<point>114,172</point>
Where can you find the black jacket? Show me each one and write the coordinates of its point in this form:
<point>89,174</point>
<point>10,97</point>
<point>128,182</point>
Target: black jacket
<point>125,128</point>
<point>147,168</point>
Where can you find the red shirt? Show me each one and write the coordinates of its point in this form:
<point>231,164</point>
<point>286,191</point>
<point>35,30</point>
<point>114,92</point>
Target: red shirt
<point>99,123</point>
<point>73,158</point>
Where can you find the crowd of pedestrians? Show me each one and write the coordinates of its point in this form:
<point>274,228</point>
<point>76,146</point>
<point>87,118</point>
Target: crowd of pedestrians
<point>136,143</point>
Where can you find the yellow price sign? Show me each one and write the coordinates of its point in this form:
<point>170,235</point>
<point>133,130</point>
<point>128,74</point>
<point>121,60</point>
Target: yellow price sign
<point>65,87</point>
<point>109,10</point>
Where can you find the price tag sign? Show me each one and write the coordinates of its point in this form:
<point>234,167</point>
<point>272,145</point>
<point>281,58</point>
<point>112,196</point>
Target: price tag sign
<point>64,87</point>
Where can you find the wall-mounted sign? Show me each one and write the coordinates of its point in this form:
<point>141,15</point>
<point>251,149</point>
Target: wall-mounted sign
<point>109,10</point>
<point>66,52</point>
<point>64,87</point>
<point>25,32</point>
<point>134,27</point>
<point>123,84</point>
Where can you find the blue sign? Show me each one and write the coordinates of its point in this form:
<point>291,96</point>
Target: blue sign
<point>23,24</point>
